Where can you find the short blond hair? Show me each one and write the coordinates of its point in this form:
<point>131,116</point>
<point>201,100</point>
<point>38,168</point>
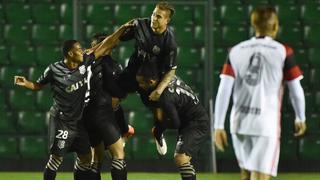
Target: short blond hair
<point>263,19</point>
<point>164,5</point>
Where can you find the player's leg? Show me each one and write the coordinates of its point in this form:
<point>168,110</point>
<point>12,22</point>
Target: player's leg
<point>118,164</point>
<point>52,166</point>
<point>244,174</point>
<point>81,145</point>
<point>82,167</point>
<point>98,155</point>
<point>186,169</point>
<point>59,144</point>
<point>259,176</point>
<point>189,140</point>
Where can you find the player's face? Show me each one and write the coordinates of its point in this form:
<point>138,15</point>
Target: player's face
<point>146,84</point>
<point>77,53</point>
<point>159,18</point>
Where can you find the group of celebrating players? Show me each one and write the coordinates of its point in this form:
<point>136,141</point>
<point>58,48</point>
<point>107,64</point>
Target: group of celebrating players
<point>88,85</point>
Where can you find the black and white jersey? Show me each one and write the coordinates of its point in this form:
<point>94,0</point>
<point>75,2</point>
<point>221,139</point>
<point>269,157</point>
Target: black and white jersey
<point>161,48</point>
<point>70,88</point>
<point>103,82</point>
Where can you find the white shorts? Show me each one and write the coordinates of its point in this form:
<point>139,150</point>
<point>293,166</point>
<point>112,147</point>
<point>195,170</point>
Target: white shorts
<point>257,153</point>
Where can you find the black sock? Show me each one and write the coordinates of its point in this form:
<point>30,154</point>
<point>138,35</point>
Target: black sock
<point>49,174</point>
<point>82,171</point>
<point>118,169</point>
<point>121,120</point>
<point>187,172</point>
<point>96,171</point>
<point>83,175</point>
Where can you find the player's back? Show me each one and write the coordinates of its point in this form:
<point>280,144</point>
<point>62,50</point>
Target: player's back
<point>258,66</point>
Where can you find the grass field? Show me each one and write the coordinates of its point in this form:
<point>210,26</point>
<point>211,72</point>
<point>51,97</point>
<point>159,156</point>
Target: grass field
<point>157,176</point>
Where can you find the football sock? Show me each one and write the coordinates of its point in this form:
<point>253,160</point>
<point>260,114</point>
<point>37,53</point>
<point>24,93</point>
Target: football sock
<point>187,172</point>
<point>118,169</point>
<point>51,168</point>
<point>82,171</point>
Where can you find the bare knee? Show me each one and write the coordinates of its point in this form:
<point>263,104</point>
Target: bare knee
<point>181,159</point>
<point>116,149</point>
<point>85,158</point>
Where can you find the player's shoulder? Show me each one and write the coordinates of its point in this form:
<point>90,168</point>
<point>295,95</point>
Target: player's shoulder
<point>143,21</point>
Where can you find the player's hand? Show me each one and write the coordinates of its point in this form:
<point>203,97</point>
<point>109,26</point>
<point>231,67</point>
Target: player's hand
<point>155,95</point>
<point>20,80</point>
<point>220,139</point>
<point>129,133</point>
<point>300,128</point>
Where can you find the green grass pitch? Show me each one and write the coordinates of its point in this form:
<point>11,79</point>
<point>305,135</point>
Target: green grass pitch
<point>156,176</point>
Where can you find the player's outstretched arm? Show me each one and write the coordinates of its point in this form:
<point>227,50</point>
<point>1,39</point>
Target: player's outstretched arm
<point>110,41</point>
<point>22,81</point>
<point>155,95</point>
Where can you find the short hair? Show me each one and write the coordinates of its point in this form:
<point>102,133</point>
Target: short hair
<point>263,18</point>
<point>67,46</point>
<point>164,5</point>
<point>149,70</point>
<point>99,37</point>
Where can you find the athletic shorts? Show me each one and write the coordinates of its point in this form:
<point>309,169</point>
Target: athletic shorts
<point>257,153</point>
<point>64,138</point>
<point>191,137</point>
<point>101,125</point>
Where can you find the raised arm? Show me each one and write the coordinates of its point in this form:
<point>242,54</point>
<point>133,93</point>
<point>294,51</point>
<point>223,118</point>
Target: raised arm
<point>171,66</point>
<point>22,81</point>
<point>110,41</point>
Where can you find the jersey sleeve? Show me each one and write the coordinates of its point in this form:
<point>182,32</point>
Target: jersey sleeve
<point>128,34</point>
<point>170,59</point>
<point>291,70</point>
<point>88,59</point>
<point>227,68</point>
<point>46,77</point>
<point>169,108</point>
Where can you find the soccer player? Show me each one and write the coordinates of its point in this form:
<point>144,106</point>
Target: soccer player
<point>68,79</point>
<point>153,41</point>
<point>255,71</point>
<point>106,127</point>
<point>179,108</point>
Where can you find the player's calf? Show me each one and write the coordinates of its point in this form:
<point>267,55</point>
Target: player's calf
<point>52,167</point>
<point>82,167</point>
<point>186,169</point>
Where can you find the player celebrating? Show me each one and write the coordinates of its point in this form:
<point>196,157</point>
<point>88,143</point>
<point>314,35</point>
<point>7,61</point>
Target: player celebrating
<point>68,79</point>
<point>154,41</point>
<point>255,71</point>
<point>104,129</point>
<point>178,107</point>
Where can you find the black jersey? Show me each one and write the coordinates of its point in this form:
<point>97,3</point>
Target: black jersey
<point>150,46</point>
<point>179,103</point>
<point>69,88</point>
<point>103,83</point>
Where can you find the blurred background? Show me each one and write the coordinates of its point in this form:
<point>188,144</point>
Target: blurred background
<point>31,32</point>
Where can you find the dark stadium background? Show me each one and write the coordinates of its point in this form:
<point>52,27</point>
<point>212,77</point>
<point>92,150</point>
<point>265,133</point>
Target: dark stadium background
<point>31,32</point>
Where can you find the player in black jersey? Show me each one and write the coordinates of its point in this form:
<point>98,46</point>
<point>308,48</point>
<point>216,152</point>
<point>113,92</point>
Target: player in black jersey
<point>106,127</point>
<point>68,79</point>
<point>179,108</point>
<point>154,40</point>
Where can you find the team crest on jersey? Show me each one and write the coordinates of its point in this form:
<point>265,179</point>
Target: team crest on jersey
<point>61,144</point>
<point>82,69</point>
<point>156,49</point>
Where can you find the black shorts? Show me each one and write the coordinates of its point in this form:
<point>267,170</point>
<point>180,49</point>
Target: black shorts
<point>127,81</point>
<point>63,138</point>
<point>101,125</point>
<point>190,137</point>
